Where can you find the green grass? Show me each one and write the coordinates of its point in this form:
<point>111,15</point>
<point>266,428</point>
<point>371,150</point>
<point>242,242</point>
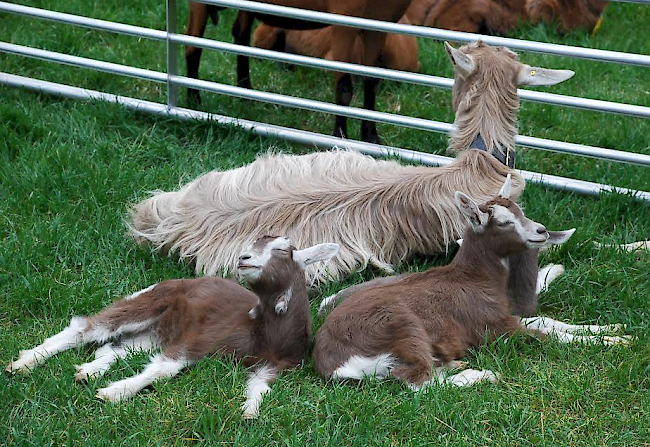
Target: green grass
<point>69,170</point>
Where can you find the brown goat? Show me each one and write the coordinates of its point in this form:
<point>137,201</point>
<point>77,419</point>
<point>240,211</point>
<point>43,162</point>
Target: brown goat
<point>193,318</point>
<point>400,52</point>
<point>428,319</point>
<point>343,41</point>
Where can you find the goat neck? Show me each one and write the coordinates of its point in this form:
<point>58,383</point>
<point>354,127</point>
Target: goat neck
<point>485,101</point>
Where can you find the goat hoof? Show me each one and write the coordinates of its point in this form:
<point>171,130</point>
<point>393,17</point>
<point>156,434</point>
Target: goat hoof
<point>84,374</point>
<point>110,394</point>
<point>327,304</point>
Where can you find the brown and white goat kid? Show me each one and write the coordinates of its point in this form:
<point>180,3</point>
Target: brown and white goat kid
<point>430,319</point>
<point>192,318</point>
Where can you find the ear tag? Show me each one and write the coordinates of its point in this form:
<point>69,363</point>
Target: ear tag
<point>532,72</point>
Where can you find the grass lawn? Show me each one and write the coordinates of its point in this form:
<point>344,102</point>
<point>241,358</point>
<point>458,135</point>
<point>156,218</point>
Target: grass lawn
<point>69,170</point>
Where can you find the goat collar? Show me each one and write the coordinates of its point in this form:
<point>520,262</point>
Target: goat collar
<point>505,155</point>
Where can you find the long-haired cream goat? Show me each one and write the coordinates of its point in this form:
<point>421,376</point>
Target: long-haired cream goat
<point>379,212</point>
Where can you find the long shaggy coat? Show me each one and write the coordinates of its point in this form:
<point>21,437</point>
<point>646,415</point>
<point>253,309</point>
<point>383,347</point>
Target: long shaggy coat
<point>379,212</point>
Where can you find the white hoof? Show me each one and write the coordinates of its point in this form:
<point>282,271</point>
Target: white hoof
<point>112,393</point>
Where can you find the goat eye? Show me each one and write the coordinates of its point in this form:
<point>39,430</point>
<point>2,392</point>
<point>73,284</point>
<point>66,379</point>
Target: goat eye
<point>281,250</point>
<point>504,224</point>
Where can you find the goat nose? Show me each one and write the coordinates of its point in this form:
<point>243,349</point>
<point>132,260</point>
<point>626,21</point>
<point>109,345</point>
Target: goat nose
<point>244,257</point>
<point>541,229</point>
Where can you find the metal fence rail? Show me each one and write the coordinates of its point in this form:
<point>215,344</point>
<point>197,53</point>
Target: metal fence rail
<point>173,80</point>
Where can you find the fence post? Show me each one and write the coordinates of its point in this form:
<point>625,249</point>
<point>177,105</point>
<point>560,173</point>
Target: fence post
<point>172,53</point>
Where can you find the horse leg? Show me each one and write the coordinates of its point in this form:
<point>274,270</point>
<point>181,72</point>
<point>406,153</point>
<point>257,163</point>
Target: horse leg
<point>196,22</point>
<point>373,42</point>
<point>241,31</point>
<point>342,46</point>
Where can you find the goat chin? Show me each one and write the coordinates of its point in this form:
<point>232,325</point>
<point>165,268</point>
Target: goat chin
<point>378,211</point>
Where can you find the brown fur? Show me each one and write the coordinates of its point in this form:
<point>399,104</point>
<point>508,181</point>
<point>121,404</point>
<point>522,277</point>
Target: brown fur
<point>400,52</point>
<point>430,318</point>
<point>502,16</point>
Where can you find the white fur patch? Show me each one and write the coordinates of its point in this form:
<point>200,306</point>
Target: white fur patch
<point>256,388</point>
<point>258,260</point>
<point>100,333</point>
<point>358,367</point>
<point>527,231</point>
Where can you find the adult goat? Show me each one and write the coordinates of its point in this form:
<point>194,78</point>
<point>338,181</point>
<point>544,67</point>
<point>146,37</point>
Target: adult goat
<point>432,318</point>
<point>193,318</point>
<point>379,212</point>
<point>343,42</point>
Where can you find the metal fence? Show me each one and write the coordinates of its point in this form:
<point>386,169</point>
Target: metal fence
<point>173,81</point>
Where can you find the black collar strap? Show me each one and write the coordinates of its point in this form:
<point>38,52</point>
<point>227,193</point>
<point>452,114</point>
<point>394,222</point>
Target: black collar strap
<point>507,156</point>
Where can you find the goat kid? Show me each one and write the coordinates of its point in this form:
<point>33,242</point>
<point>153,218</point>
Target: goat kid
<point>192,318</point>
<point>406,327</point>
<point>343,42</point>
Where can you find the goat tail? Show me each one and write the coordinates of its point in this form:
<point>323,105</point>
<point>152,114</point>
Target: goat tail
<point>148,215</point>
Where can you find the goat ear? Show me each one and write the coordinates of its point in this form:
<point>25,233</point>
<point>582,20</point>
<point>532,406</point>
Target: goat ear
<point>559,237</point>
<point>468,207</point>
<point>506,189</point>
<point>320,252</point>
<point>463,63</point>
<point>542,76</point>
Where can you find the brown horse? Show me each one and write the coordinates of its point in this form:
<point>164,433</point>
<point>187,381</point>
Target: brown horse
<point>343,39</point>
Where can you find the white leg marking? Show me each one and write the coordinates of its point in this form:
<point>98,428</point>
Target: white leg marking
<point>68,338</point>
<point>105,356</point>
<point>161,366</point>
<point>634,246</point>
<point>470,377</point>
<point>326,304</point>
<point>358,367</point>
<point>547,275</point>
<point>565,332</point>
<point>108,354</point>
<point>464,378</point>
<point>256,388</point>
